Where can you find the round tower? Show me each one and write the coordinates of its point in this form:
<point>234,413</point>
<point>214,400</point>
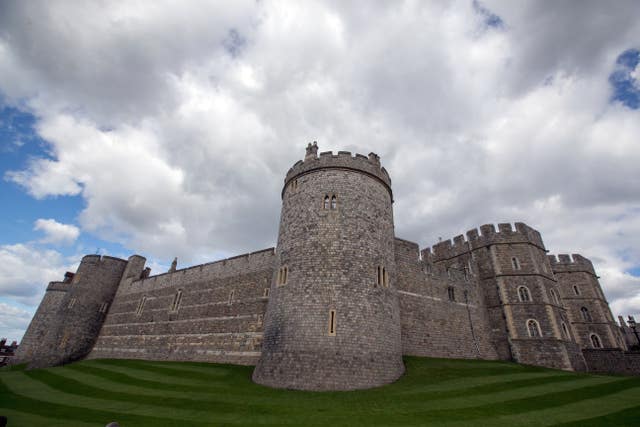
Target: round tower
<point>81,312</point>
<point>333,319</point>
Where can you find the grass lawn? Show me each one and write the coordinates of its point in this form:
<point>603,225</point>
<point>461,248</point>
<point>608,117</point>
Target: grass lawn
<point>432,392</point>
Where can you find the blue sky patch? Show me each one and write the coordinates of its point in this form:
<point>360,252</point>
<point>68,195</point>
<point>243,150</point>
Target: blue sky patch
<point>626,86</point>
<point>490,19</point>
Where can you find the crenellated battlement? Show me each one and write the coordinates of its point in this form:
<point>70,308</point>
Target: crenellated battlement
<point>58,286</point>
<point>221,268</point>
<point>565,263</point>
<point>94,259</point>
<point>479,237</point>
<point>369,165</point>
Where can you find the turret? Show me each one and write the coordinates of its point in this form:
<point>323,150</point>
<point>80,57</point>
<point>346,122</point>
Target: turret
<point>332,321</point>
<point>586,304</point>
<point>71,314</point>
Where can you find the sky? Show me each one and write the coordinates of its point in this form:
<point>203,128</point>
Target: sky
<point>165,128</point>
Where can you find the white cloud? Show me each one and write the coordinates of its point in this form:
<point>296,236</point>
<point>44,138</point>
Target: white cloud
<point>26,270</point>
<point>177,126</point>
<point>13,322</point>
<point>56,232</point>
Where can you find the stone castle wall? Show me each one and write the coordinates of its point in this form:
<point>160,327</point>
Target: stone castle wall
<point>219,318</point>
<point>442,313</point>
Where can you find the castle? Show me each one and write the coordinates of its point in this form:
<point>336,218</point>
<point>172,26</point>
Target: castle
<point>341,299</point>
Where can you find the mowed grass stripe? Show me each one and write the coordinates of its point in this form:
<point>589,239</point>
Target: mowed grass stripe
<point>69,414</point>
<point>18,418</point>
<point>144,374</point>
<point>625,417</point>
<point>529,404</point>
<point>127,378</point>
<point>74,387</point>
<point>168,369</point>
<point>464,383</point>
<point>23,385</point>
<point>107,384</point>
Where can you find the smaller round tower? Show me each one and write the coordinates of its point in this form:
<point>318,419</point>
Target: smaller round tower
<point>333,320</point>
<point>75,326</point>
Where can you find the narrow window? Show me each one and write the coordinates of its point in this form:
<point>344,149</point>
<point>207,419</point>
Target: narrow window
<point>515,263</point>
<point>294,184</point>
<point>103,307</point>
<point>534,328</point>
<point>231,294</point>
<point>523,294</point>
<point>266,292</point>
<point>64,340</point>
<point>332,323</point>
<point>326,202</point>
<point>72,302</point>
<point>586,316</point>
<point>565,330</point>
<point>334,202</point>
<point>283,272</point>
<point>595,341</point>
<point>451,293</point>
<point>379,276</point>
<point>141,306</point>
<point>554,296</point>
<point>177,298</point>
<point>385,278</point>
<point>576,290</point>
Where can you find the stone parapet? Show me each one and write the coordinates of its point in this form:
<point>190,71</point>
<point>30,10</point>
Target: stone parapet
<point>369,165</point>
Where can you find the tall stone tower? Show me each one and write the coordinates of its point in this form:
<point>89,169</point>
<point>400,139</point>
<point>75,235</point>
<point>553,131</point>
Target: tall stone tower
<point>333,320</point>
<point>586,305</point>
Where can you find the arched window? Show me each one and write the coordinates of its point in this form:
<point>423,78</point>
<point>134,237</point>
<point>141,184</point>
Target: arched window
<point>565,330</point>
<point>515,263</point>
<point>523,294</point>
<point>326,202</point>
<point>533,328</point>
<point>595,341</point>
<point>576,290</point>
<point>554,296</point>
<point>334,202</point>
<point>586,316</point>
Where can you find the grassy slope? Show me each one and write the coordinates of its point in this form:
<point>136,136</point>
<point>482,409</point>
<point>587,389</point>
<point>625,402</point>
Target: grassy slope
<point>433,392</point>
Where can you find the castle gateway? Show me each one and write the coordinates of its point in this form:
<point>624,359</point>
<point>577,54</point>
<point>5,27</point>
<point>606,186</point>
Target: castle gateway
<point>340,300</point>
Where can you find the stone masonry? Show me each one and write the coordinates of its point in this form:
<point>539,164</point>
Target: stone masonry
<point>341,298</point>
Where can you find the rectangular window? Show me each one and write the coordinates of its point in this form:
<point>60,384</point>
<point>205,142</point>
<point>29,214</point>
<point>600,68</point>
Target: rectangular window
<point>177,298</point>
<point>231,294</point>
<point>451,292</point>
<point>515,263</point>
<point>141,306</point>
<point>72,302</point>
<point>576,290</point>
<point>266,292</point>
<point>332,323</point>
<point>103,307</point>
